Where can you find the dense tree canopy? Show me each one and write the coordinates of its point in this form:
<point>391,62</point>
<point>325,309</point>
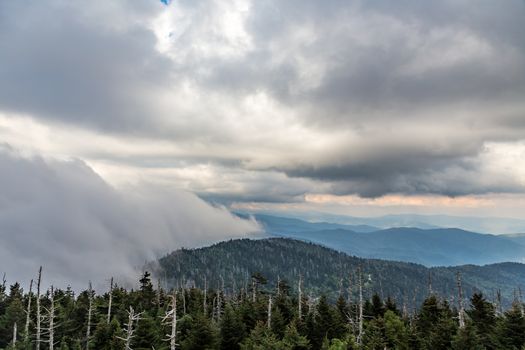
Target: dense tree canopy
<point>220,320</point>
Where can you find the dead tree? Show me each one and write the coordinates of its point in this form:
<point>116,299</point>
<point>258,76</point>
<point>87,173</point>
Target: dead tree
<point>254,290</point>
<point>499,305</point>
<point>461,315</point>
<point>110,300</point>
<point>360,317</point>
<point>219,305</point>
<point>4,281</point>
<point>38,315</point>
<point>351,313</point>
<point>300,297</point>
<point>132,317</point>
<point>28,312</point>
<point>430,291</point>
<point>90,313</point>
<point>184,301</point>
<point>170,319</point>
<point>223,290</point>
<point>204,303</point>
<point>50,318</point>
<point>269,321</point>
<point>15,331</point>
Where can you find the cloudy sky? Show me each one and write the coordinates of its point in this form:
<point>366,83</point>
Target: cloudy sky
<point>354,107</point>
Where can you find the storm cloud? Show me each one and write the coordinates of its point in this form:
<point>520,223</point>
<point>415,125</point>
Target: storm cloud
<point>278,99</point>
<point>62,215</point>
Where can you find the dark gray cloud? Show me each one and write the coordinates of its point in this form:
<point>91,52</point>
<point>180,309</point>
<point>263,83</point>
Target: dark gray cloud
<point>62,215</point>
<point>412,92</point>
<point>71,63</point>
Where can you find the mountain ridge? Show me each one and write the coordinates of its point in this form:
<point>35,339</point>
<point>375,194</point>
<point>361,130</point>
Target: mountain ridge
<point>326,271</point>
<point>430,247</point>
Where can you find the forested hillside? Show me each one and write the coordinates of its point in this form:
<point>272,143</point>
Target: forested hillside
<point>258,318</point>
<point>327,271</point>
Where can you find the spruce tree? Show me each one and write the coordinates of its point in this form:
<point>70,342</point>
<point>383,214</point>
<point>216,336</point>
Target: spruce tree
<point>232,330</point>
<point>202,336</point>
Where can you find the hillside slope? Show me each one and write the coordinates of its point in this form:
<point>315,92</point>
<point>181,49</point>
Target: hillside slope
<point>323,269</point>
<point>430,247</point>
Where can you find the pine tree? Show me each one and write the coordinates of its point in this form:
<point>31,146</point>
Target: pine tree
<point>292,340</point>
<point>511,332</point>
<point>396,332</point>
<point>467,339</point>
<point>202,335</point>
<point>374,336</point>
<point>233,330</point>
<point>261,338</point>
<point>483,316</point>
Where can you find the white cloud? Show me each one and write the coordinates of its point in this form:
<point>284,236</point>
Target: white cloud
<point>62,215</point>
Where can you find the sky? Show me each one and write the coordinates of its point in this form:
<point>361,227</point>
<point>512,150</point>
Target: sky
<point>121,115</point>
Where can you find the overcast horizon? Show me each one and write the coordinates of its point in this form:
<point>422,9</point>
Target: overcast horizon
<point>153,116</point>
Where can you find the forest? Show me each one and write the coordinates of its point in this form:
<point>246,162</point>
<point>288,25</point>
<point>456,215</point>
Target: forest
<point>258,317</point>
<point>327,271</point>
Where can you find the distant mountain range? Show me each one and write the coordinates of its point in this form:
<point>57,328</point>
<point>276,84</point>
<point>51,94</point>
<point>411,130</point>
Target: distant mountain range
<point>492,225</point>
<point>323,270</point>
<point>430,247</point>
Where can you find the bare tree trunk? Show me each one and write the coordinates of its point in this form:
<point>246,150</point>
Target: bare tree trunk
<point>430,291</point>
<point>110,300</point>
<point>4,281</point>
<point>183,301</point>
<point>460,302</point>
<point>174,324</point>
<point>15,331</point>
<point>360,319</point>
<point>219,304</point>
<point>204,304</point>
<point>38,316</point>
<point>90,311</point>
<point>300,297</point>
<point>269,321</point>
<point>499,306</point>
<point>171,319</point>
<point>52,320</point>
<point>132,317</point>
<point>223,291</point>
<point>28,312</point>
<point>254,290</point>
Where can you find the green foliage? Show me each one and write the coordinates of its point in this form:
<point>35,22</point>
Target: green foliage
<point>240,322</point>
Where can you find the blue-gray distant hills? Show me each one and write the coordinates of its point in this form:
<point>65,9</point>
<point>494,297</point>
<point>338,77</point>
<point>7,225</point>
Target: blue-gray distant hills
<point>430,247</point>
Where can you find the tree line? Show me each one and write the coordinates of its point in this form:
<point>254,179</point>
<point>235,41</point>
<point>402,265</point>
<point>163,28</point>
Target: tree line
<point>254,317</point>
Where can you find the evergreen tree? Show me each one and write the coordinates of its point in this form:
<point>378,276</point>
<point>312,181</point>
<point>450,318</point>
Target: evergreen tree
<point>467,339</point>
<point>396,333</point>
<point>512,329</point>
<point>202,336</point>
<point>375,338</point>
<point>232,330</point>
<point>293,340</point>
<point>261,338</point>
<point>483,316</point>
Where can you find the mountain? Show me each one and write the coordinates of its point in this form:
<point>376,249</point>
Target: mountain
<point>327,271</point>
<point>494,225</point>
<point>430,247</point>
<point>282,225</point>
<point>516,237</point>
